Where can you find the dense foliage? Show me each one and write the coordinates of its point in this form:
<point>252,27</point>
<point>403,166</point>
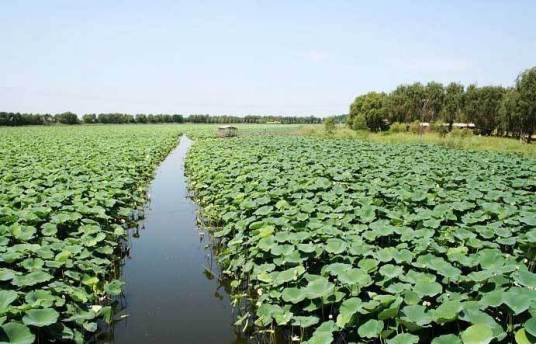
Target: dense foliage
<point>18,119</point>
<point>343,240</point>
<point>66,195</point>
<point>493,109</point>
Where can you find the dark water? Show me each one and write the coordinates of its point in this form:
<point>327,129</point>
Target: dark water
<point>169,296</point>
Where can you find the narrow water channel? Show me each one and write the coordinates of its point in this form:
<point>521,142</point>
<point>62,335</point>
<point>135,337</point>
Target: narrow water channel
<point>169,296</point>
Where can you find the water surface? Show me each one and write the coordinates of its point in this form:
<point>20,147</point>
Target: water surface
<point>169,296</point>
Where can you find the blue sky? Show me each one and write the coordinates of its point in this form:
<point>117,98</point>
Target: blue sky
<point>245,57</point>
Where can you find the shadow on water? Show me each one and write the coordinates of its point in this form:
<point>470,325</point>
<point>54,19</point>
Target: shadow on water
<point>172,293</point>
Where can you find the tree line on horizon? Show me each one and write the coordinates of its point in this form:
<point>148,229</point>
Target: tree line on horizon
<point>494,110</point>
<point>19,119</point>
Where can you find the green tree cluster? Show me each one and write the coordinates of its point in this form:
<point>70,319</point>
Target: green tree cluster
<point>492,109</point>
<point>329,125</point>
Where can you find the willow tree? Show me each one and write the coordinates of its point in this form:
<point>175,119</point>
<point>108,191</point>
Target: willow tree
<point>526,86</point>
<point>434,98</point>
<point>369,107</point>
<point>481,106</point>
<point>453,103</point>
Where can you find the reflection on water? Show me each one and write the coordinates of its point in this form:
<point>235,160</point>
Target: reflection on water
<point>173,292</point>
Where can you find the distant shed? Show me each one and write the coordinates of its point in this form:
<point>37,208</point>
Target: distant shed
<point>227,131</point>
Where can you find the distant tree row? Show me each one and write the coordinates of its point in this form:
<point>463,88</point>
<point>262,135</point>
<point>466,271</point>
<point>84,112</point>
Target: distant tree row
<point>123,118</point>
<point>493,109</point>
<point>17,119</point>
<point>253,119</point>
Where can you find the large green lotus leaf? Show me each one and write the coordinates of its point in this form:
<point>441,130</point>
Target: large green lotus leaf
<point>282,204</point>
<point>530,326</point>
<point>390,271</point>
<point>493,298</point>
<point>306,248</point>
<point>282,316</point>
<point>517,300</point>
<point>264,210</point>
<point>447,339</point>
<point>371,329</point>
<point>6,298</point>
<point>40,317</point>
<point>447,311</point>
<point>404,338</point>
<point>49,229</point>
<point>382,228</point>
<point>319,288</point>
<point>114,287</point>
<point>477,334</point>
<point>385,254</point>
<point>416,314</point>
<point>529,219</point>
<point>347,310</point>
<point>368,264</point>
<point>476,316</point>
<point>265,277</point>
<point>18,333</point>
<point>266,231</point>
<point>32,264</point>
<point>40,298</point>
<point>335,246</point>
<point>288,275</point>
<point>293,295</point>
<point>355,277</point>
<point>6,274</point>
<point>266,244</point>
<point>398,288</point>
<point>23,233</point>
<point>304,322</point>
<point>248,204</point>
<point>323,333</point>
<point>425,288</point>
<point>336,269</point>
<point>403,256</point>
<point>366,214</point>
<point>90,280</point>
<point>282,249</point>
<point>526,278</point>
<point>302,216</point>
<point>31,278</point>
<point>531,236</point>
<point>63,256</point>
<point>392,311</point>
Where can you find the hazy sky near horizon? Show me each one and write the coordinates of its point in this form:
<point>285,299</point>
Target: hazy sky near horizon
<point>249,57</point>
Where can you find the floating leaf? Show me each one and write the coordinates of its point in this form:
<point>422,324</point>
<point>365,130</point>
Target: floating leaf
<point>31,278</point>
<point>319,288</point>
<point>18,333</point>
<point>371,329</point>
<point>477,334</point>
<point>530,326</point>
<point>293,295</point>
<point>404,338</point>
<point>40,317</point>
<point>6,298</point>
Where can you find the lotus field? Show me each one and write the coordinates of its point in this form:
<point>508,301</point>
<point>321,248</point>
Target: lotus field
<point>66,197</point>
<point>337,241</point>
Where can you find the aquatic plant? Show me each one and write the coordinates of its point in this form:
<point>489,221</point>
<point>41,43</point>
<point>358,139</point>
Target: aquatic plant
<point>344,239</point>
<point>66,197</point>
